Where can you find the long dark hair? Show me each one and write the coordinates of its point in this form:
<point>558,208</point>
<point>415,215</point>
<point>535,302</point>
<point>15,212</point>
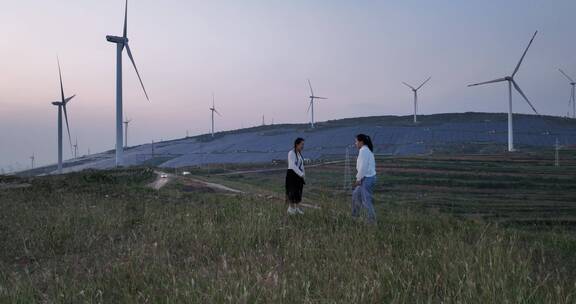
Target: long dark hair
<point>365,139</point>
<point>298,141</point>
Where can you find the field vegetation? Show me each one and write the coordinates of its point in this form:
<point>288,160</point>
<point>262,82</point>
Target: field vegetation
<point>451,229</point>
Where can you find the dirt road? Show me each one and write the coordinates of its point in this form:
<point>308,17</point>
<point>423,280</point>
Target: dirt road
<point>160,182</point>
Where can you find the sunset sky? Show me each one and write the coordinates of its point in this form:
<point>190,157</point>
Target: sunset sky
<point>256,57</point>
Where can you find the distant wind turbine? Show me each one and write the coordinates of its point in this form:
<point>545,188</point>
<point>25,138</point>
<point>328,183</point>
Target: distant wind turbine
<point>311,106</point>
<point>126,123</point>
<point>62,106</point>
<point>121,43</point>
<point>415,90</point>
<point>512,82</point>
<point>32,158</point>
<point>572,101</point>
<point>76,148</point>
<point>213,110</point>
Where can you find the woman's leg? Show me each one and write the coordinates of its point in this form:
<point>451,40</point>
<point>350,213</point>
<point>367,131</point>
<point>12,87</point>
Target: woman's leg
<point>300,194</point>
<point>367,188</point>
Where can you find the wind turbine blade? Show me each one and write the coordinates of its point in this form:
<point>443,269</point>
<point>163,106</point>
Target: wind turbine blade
<point>315,97</point>
<point>566,75</point>
<point>487,82</point>
<point>424,83</point>
<point>67,100</point>
<point>218,113</point>
<point>126,20</point>
<point>524,96</point>
<point>413,88</point>
<point>524,55</point>
<point>310,105</point>
<point>136,69</point>
<point>67,124</point>
<point>310,85</point>
<point>61,85</point>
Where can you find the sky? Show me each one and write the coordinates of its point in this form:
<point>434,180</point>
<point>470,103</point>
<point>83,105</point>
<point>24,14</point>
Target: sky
<point>256,55</point>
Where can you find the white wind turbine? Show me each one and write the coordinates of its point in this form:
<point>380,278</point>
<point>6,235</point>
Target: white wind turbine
<point>126,123</point>
<point>121,43</point>
<point>76,148</point>
<point>62,107</point>
<point>512,82</point>
<point>415,90</point>
<point>311,106</point>
<point>213,110</point>
<point>572,101</point>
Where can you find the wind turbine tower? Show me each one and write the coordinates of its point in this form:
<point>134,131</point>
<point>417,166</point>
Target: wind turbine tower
<point>415,91</point>
<point>62,108</point>
<point>76,148</point>
<point>572,101</point>
<point>121,44</point>
<point>213,110</point>
<point>311,105</point>
<point>512,83</point>
<point>126,123</point>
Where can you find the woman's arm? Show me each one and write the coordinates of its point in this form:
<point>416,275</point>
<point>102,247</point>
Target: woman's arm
<point>361,165</point>
<point>292,159</point>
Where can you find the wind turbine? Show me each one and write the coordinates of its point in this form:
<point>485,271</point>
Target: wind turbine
<point>62,106</point>
<point>573,94</point>
<point>512,82</point>
<point>76,148</point>
<point>311,106</point>
<point>126,122</point>
<point>121,43</point>
<point>213,110</point>
<point>415,90</point>
<point>32,158</point>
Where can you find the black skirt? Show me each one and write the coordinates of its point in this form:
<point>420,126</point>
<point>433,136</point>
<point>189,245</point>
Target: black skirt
<point>294,187</point>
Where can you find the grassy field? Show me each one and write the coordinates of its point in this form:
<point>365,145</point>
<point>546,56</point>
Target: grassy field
<point>455,229</point>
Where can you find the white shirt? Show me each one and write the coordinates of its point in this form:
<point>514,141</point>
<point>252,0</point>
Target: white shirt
<point>296,163</point>
<point>365,164</point>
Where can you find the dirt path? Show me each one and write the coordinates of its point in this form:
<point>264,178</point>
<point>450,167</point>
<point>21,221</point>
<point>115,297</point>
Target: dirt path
<point>218,187</point>
<point>160,182</point>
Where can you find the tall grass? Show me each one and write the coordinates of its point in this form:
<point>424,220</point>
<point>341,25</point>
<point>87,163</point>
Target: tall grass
<point>124,243</point>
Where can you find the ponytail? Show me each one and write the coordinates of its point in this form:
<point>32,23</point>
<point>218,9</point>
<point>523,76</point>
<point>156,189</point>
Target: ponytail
<point>296,143</point>
<point>365,139</point>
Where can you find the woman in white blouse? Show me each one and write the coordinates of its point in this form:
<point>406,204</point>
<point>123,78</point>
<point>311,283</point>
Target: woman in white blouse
<point>365,178</point>
<point>295,177</point>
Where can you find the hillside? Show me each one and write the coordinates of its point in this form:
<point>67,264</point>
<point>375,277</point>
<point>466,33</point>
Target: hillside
<point>393,135</point>
<point>451,229</point>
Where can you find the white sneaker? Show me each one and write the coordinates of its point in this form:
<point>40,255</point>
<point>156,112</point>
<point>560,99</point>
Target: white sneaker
<point>292,211</point>
<point>299,211</point>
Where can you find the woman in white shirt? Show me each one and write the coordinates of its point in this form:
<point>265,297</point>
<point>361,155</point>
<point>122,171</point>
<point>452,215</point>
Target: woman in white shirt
<point>295,177</point>
<point>365,178</point>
